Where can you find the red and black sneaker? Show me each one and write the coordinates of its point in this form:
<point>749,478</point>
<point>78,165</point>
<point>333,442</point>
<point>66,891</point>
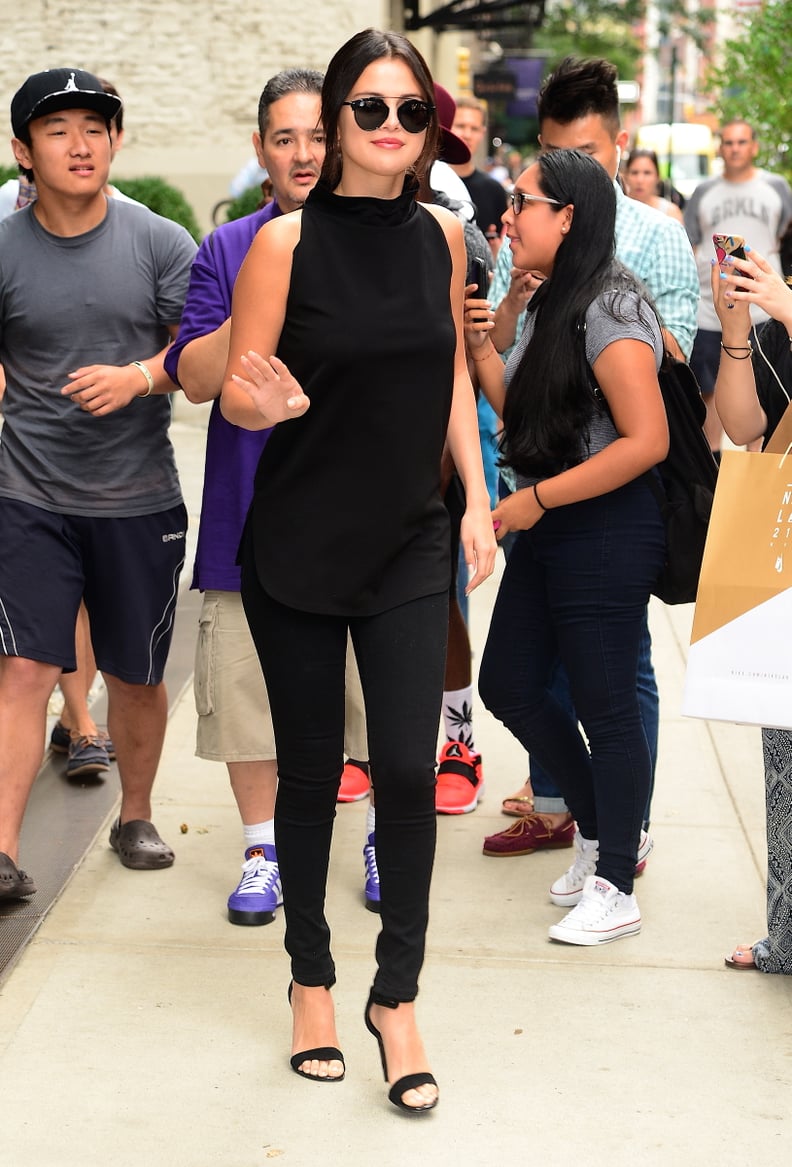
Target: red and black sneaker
<point>355,781</point>
<point>460,783</point>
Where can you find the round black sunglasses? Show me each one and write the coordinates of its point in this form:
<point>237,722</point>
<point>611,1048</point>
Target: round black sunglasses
<point>372,112</point>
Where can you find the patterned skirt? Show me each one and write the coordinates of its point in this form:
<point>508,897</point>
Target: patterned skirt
<point>774,955</point>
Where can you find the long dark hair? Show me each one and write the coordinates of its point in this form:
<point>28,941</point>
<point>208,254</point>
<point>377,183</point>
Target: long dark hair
<point>343,71</point>
<point>550,400</point>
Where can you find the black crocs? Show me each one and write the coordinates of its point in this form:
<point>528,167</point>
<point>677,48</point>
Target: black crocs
<point>15,884</point>
<point>139,846</point>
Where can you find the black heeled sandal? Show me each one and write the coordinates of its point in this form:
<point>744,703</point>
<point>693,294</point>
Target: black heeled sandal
<point>409,1081</point>
<point>322,1053</point>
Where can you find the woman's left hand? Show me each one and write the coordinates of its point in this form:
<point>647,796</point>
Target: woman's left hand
<point>478,541</point>
<point>276,394</point>
<point>517,512</point>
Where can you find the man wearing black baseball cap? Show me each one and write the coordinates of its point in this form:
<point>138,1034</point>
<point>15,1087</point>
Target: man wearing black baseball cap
<point>91,292</point>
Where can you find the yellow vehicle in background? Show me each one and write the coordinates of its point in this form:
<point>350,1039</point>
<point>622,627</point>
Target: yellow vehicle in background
<point>685,151</point>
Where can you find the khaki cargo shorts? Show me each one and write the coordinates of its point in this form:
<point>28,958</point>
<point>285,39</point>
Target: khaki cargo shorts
<point>234,722</point>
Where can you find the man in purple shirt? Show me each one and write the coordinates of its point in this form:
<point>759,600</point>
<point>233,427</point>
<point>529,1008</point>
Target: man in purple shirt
<point>233,711</point>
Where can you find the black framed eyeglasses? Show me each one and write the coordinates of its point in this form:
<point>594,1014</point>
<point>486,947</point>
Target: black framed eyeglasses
<point>517,200</point>
<point>372,112</point>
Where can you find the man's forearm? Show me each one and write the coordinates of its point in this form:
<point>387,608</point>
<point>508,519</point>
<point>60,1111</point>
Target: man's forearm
<point>202,364</point>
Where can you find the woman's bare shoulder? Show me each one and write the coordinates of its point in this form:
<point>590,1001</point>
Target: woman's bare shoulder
<point>447,219</point>
<point>280,236</point>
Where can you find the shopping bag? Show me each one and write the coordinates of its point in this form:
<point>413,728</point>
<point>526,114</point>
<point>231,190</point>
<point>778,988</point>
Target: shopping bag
<point>740,659</point>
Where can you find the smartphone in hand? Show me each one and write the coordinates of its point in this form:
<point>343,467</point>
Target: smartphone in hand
<point>477,274</point>
<point>726,245</point>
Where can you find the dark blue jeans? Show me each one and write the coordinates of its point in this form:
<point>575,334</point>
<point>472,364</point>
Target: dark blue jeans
<point>576,588</point>
<point>547,796</point>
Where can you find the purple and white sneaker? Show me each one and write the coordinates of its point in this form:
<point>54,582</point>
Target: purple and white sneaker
<point>259,892</point>
<point>372,875</point>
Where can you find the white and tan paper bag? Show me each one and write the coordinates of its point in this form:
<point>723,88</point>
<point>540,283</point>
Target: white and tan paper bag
<point>740,660</point>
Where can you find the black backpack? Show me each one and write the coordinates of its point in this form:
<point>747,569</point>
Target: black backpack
<point>687,482</point>
<point>688,476</point>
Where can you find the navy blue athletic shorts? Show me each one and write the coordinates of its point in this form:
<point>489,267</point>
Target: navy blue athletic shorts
<point>126,569</point>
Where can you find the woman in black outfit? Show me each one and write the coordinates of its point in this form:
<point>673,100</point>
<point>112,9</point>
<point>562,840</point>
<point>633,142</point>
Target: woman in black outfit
<point>347,529</point>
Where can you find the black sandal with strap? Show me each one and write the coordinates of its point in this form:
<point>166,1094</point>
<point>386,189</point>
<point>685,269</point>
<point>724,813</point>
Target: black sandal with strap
<point>409,1081</point>
<point>322,1053</point>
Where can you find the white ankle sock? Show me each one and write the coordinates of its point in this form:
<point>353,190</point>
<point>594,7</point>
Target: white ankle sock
<point>370,821</point>
<point>257,834</point>
<point>458,715</point>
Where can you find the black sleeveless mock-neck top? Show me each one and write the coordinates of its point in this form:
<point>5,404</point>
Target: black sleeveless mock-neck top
<point>346,517</point>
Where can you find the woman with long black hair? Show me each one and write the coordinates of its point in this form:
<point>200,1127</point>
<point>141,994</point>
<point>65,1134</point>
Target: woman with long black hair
<point>584,425</point>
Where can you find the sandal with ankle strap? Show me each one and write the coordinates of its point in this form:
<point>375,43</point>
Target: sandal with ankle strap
<point>322,1053</point>
<point>409,1081</point>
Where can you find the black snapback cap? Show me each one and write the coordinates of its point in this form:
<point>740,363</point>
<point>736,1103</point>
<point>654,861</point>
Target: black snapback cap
<point>55,89</point>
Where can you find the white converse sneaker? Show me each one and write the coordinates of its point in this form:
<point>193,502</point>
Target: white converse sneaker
<point>645,845</point>
<point>567,890</point>
<point>603,914</point>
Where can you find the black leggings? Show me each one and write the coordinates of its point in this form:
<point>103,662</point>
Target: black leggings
<point>401,659</point>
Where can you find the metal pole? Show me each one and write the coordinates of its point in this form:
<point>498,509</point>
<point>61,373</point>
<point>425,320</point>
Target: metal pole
<point>671,107</point>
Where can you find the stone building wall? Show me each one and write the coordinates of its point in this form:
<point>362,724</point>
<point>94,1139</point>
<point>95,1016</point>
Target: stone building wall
<point>189,71</point>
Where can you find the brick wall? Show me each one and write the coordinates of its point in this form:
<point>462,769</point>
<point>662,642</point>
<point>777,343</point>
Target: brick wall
<point>189,71</point>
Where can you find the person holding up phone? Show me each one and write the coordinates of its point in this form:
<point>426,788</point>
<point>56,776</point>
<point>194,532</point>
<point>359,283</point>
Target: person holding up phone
<point>752,390</point>
<point>745,200</point>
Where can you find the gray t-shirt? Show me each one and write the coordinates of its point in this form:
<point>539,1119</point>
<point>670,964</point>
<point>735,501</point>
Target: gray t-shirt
<point>105,297</point>
<point>635,320</point>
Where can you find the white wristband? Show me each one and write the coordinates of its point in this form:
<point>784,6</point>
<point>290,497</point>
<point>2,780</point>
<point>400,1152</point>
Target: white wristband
<point>146,371</point>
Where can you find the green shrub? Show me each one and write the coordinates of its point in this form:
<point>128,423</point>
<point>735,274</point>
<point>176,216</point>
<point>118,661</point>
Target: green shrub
<point>162,198</point>
<point>244,204</point>
<point>7,172</point>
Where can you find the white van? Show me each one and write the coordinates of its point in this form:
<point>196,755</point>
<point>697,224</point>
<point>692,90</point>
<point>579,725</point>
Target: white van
<point>692,149</point>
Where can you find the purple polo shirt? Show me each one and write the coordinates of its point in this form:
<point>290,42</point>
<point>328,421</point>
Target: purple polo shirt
<point>232,454</point>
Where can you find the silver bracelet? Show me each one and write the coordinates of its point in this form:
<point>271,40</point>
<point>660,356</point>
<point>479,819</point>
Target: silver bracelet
<point>146,371</point>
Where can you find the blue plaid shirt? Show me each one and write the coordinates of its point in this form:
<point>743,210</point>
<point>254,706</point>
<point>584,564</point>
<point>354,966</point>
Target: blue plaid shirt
<point>656,249</point>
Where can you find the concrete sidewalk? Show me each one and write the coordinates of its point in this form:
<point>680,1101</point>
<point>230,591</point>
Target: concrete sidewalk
<point>139,1026</point>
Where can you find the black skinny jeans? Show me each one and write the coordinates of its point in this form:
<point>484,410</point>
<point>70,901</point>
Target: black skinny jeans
<point>401,659</point>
